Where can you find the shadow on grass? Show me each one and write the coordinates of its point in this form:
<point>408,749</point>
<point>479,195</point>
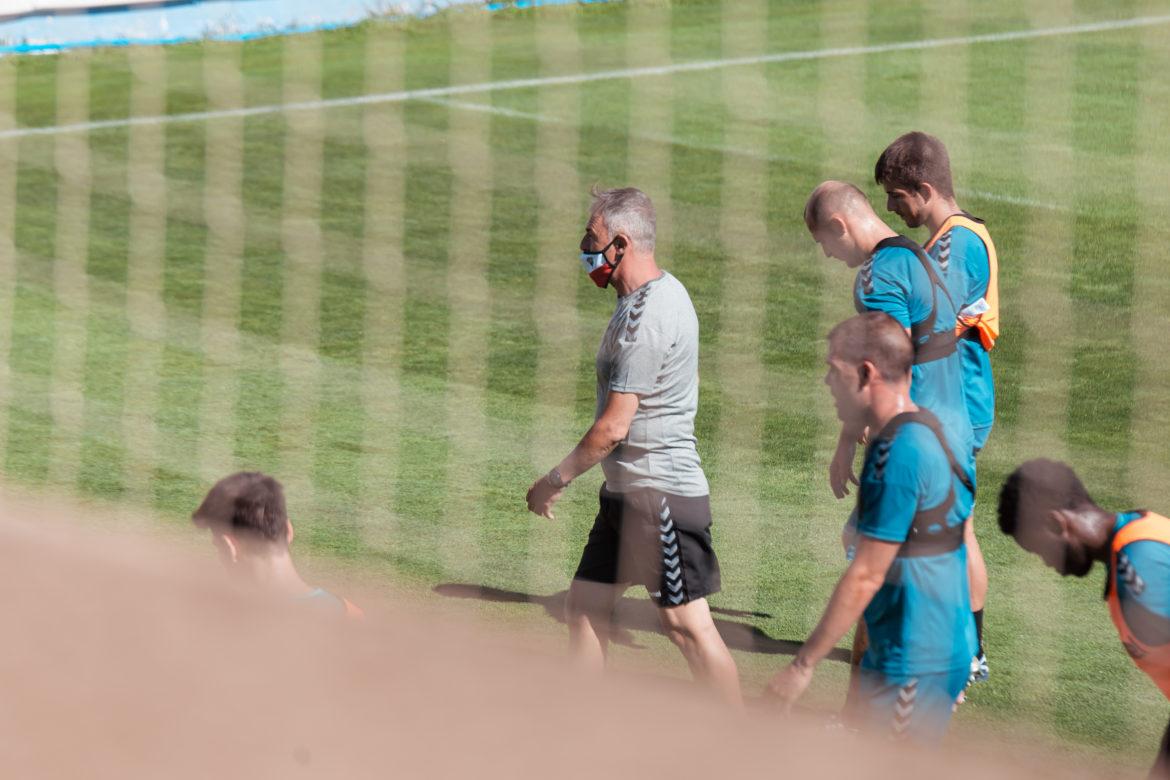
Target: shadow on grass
<point>640,615</point>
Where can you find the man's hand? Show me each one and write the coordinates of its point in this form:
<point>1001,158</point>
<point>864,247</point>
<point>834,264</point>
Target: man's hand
<point>541,497</point>
<point>841,467</point>
<point>789,684</point>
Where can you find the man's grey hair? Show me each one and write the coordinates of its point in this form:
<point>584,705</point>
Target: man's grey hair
<point>626,210</point>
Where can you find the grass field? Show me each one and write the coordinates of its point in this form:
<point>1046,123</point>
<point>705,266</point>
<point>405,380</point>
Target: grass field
<point>381,303</point>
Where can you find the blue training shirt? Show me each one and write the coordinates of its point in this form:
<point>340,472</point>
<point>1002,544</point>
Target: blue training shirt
<point>919,622</point>
<point>1142,582</point>
<point>962,257</point>
<point>893,281</point>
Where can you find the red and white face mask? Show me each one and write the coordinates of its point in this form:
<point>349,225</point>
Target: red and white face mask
<point>598,268</point>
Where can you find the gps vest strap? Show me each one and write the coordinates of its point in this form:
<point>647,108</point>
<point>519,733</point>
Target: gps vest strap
<point>929,532</point>
<point>1154,660</point>
<point>984,327</point>
<point>928,345</point>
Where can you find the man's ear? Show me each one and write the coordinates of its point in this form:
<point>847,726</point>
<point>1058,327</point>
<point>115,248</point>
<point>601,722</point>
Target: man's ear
<point>291,532</point>
<point>1056,521</point>
<point>837,226</point>
<point>621,243</point>
<point>865,373</point>
<point>233,547</point>
<point>926,191</point>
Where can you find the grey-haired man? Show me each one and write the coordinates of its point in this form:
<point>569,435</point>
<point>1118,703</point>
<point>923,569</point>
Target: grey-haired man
<point>654,523</point>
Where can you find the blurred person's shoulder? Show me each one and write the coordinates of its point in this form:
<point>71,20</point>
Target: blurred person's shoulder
<point>326,602</point>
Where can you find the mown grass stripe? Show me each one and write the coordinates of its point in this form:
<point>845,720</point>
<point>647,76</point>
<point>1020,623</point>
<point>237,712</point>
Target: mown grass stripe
<point>339,418</point>
<point>469,303</point>
<point>790,488</point>
<point>423,445</point>
<point>177,485</point>
<point>8,259</point>
<point>223,208</point>
<point>262,387</point>
<point>70,284</point>
<point>30,358</point>
<point>1100,291</point>
<point>513,341</point>
<point>384,135</point>
<point>1150,459</point>
<point>146,235</point>
<point>302,246</point>
<point>1044,375</point>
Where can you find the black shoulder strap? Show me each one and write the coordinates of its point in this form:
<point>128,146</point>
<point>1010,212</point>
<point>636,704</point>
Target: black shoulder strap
<point>935,281</point>
<point>929,533</point>
<point>927,418</point>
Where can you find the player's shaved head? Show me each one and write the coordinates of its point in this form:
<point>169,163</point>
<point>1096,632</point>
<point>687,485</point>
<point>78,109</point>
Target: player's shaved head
<point>873,337</point>
<point>1037,488</point>
<point>836,198</point>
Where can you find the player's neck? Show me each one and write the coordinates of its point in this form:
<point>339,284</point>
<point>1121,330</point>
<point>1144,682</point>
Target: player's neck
<point>939,212</point>
<point>276,574</point>
<point>871,234</point>
<point>1096,532</point>
<point>887,404</point>
<point>636,271</point>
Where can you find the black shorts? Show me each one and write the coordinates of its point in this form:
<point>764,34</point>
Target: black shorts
<point>654,539</point>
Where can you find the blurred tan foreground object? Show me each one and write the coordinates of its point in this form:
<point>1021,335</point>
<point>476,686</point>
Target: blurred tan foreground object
<point>125,658</point>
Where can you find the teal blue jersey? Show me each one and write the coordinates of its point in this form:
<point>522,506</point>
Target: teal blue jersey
<point>1142,583</point>
<point>962,257</point>
<point>895,281</point>
<point>919,622</point>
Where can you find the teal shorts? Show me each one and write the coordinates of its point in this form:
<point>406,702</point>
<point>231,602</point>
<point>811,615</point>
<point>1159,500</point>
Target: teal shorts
<point>913,708</point>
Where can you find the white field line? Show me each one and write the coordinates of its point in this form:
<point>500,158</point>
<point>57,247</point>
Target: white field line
<point>738,151</point>
<point>605,75</point>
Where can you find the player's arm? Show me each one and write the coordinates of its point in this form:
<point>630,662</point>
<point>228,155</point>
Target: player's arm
<point>854,591</point>
<point>606,433</point>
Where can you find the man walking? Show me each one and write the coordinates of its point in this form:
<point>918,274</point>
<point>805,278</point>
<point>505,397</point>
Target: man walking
<point>908,575</point>
<point>654,523</point>
<point>915,171</point>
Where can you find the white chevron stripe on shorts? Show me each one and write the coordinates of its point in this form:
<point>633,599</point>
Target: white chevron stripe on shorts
<point>904,709</point>
<point>671,558</point>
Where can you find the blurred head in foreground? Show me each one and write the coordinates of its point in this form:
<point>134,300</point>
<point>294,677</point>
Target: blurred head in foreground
<point>1046,509</point>
<point>249,525</point>
<point>247,518</point>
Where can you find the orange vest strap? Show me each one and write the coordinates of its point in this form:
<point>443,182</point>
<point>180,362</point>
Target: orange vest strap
<point>1148,528</point>
<point>987,323</point>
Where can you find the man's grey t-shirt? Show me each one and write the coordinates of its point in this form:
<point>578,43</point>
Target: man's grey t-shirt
<point>651,348</point>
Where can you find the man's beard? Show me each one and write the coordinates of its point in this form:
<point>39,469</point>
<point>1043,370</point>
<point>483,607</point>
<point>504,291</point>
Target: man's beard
<point>1076,563</point>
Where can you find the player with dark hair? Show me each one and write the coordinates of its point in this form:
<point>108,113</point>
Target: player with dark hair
<point>1046,509</point>
<point>915,171</point>
<point>908,576</point>
<point>653,526</point>
<point>249,525</point>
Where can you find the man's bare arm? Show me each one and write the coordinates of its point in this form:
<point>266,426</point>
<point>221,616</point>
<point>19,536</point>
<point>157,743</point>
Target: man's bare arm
<point>853,593</point>
<point>606,433</point>
<point>857,587</point>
